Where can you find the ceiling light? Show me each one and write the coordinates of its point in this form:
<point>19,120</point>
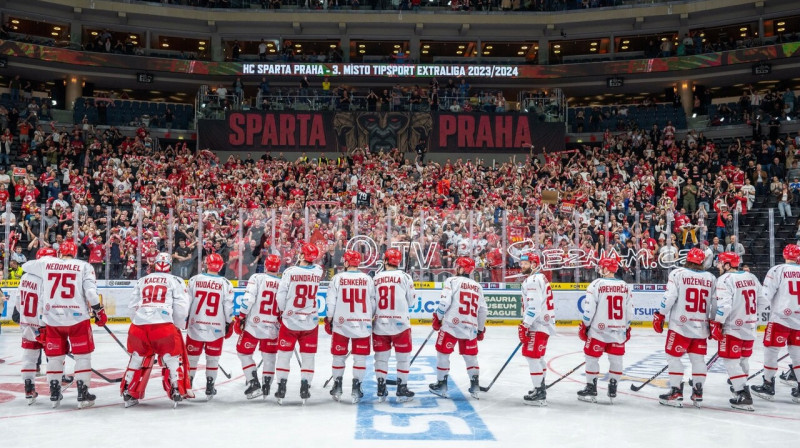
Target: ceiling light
<point>408,51</point>
<point>663,39</point>
<point>202,42</point>
<point>361,46</point>
<point>557,46</point>
<point>594,44</point>
<point>486,52</point>
<point>426,46</point>
<point>56,28</point>
<point>744,28</point>
<point>54,33</point>
<point>744,34</point>
<point>626,41</point>
<point>165,45</point>
<point>459,52</point>
<point>460,47</point>
<point>299,50</point>
<point>624,47</point>
<point>703,34</point>
<point>94,33</point>
<point>781,23</point>
<point>397,46</point>
<point>593,49</point>
<point>15,22</point>
<point>424,51</point>
<point>135,43</point>
<point>298,45</point>
<point>520,53</point>
<point>536,48</point>
<point>201,48</point>
<point>524,47</point>
<point>557,51</point>
<point>780,30</point>
<point>133,36</point>
<point>333,45</point>
<point>272,50</point>
<point>488,47</point>
<point>362,51</point>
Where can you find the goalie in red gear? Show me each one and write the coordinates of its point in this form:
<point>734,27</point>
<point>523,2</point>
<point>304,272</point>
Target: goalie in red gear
<point>159,308</point>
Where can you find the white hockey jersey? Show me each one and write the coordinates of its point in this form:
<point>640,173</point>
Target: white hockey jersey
<point>297,297</point>
<point>30,305</point>
<point>462,308</point>
<point>608,310</point>
<point>351,304</point>
<point>395,294</point>
<point>211,308</point>
<point>782,292</point>
<point>69,289</point>
<point>537,304</point>
<point>160,298</point>
<point>738,296</point>
<point>260,304</point>
<point>688,302</point>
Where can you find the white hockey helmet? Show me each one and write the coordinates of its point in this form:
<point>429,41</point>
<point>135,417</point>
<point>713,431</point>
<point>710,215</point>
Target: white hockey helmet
<point>163,262</point>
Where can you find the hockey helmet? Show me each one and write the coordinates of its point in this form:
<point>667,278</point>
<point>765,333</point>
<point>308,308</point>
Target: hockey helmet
<point>393,257</point>
<point>46,252</point>
<point>214,263</point>
<point>352,258</point>
<point>163,262</point>
<point>695,256</point>
<point>310,252</point>
<point>730,257</point>
<point>272,263</point>
<point>67,249</point>
<point>466,263</point>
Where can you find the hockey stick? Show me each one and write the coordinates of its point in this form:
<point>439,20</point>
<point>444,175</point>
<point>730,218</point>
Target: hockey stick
<point>394,381</point>
<point>486,389</point>
<point>565,375</point>
<point>115,338</point>
<point>757,373</point>
<point>639,387</point>
<point>297,357</point>
<point>107,379</point>
<point>227,375</point>
<point>329,379</point>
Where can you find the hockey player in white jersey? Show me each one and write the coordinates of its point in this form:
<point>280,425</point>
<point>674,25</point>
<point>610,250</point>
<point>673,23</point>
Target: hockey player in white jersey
<point>350,309</point>
<point>395,295</point>
<point>460,319</point>
<point>258,326</point>
<point>210,316</point>
<point>29,318</point>
<point>687,304</point>
<point>782,292</point>
<point>297,302</point>
<point>538,324</point>
<point>69,289</point>
<point>159,308</point>
<point>606,327</point>
<point>734,324</point>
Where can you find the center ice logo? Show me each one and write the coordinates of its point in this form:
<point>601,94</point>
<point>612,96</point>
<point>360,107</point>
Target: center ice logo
<point>425,418</point>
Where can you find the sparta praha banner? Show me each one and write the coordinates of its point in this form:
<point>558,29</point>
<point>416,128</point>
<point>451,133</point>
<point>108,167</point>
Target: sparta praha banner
<point>256,131</point>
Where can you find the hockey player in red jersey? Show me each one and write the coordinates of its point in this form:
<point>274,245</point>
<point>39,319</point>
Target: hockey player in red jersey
<point>258,326</point>
<point>606,327</point>
<point>210,315</point>
<point>538,324</point>
<point>350,309</point>
<point>159,307</point>
<point>687,304</point>
<point>782,293</point>
<point>297,302</point>
<point>29,318</point>
<point>460,320</point>
<point>734,324</point>
<point>70,290</point>
<point>395,295</point>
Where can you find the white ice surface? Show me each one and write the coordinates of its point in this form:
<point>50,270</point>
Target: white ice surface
<point>635,419</point>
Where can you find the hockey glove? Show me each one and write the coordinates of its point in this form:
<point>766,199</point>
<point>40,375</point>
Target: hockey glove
<point>658,322</point>
<point>239,323</point>
<point>100,317</point>
<point>437,324</point>
<point>628,334</point>
<point>715,329</point>
<point>522,332</point>
<point>328,326</point>
<point>583,332</point>
<point>481,334</point>
<point>41,335</point>
<point>229,328</point>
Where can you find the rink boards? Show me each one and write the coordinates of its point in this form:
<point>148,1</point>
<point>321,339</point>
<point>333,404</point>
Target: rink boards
<point>503,299</point>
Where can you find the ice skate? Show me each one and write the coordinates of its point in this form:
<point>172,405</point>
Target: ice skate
<point>697,395</point>
<point>612,389</point>
<point>305,393</point>
<point>589,393</point>
<point>129,401</point>
<point>175,396</point>
<point>382,392</point>
<point>357,393</point>
<point>280,394</point>
<point>265,386</point>
<point>536,397</point>
<point>403,394</point>
<point>765,391</point>
<point>743,401</point>
<point>796,394</point>
<point>672,398</point>
<point>210,389</point>
<point>85,399</point>
<point>336,389</point>
<point>66,380</point>
<point>55,393</point>
<point>30,392</point>
<point>474,387</point>
<point>439,388</point>
<point>788,377</point>
<point>253,388</point>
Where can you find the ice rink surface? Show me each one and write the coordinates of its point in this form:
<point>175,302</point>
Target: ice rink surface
<point>498,419</point>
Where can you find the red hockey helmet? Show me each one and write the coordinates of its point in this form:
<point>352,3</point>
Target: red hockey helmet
<point>46,252</point>
<point>695,256</point>
<point>730,257</point>
<point>466,263</point>
<point>310,252</point>
<point>163,262</point>
<point>352,258</point>
<point>609,264</point>
<point>272,263</point>
<point>530,257</point>
<point>393,257</point>
<point>791,252</point>
<point>67,249</point>
<point>214,263</point>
